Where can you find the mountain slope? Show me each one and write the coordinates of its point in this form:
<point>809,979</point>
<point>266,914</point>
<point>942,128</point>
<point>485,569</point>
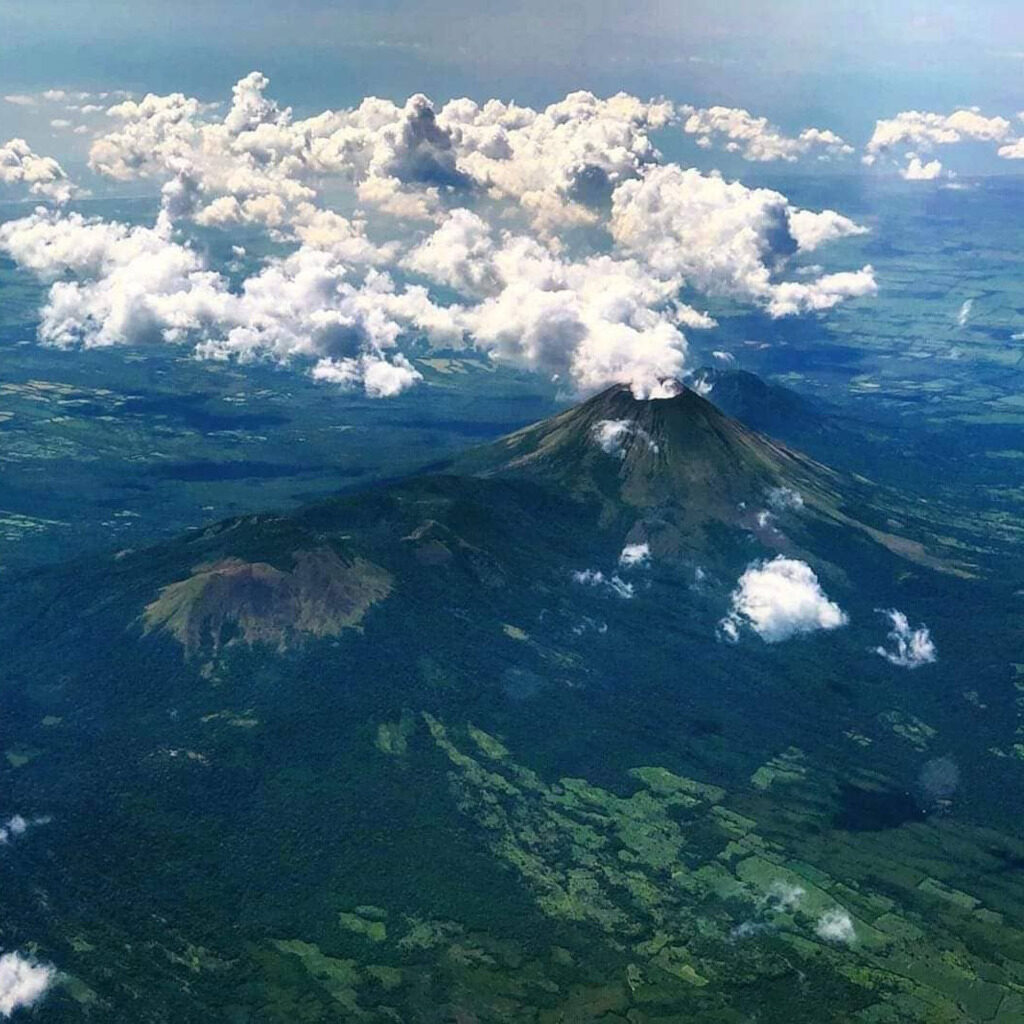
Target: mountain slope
<point>675,472</point>
<point>433,752</point>
<point>762,405</point>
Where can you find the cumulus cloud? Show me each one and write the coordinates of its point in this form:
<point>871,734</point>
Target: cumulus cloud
<point>921,131</point>
<point>726,239</point>
<point>779,599</point>
<point>19,165</point>
<point>836,926</point>
<point>1012,150</point>
<point>635,555</point>
<point>495,185</point>
<point>906,647</point>
<point>23,981</point>
<point>403,159</point>
<point>560,163</point>
<point>755,138</point>
<point>589,322</point>
<point>135,285</point>
<point>812,230</point>
<point>917,170</point>
<point>792,297</point>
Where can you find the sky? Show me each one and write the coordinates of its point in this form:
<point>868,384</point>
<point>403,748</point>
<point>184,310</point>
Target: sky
<point>797,61</point>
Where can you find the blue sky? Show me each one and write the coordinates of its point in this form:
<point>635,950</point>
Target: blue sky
<point>839,63</point>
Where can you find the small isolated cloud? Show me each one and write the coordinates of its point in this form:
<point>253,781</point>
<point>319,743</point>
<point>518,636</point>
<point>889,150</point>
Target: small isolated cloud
<point>613,584</point>
<point>756,138</point>
<point>12,827</point>
<point>779,599</point>
<point>20,100</point>
<point>907,648</point>
<point>748,929</point>
<point>16,826</point>
<point>836,926</point>
<point>378,377</point>
<point>22,982</point>
<point>784,897</point>
<point>613,436</point>
<point>702,383</point>
<point>782,498</point>
<point>723,357</point>
<point>916,170</point>
<point>634,555</point>
<point>965,313</point>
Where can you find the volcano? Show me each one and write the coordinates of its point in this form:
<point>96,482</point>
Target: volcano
<point>679,452</point>
<point>438,750</point>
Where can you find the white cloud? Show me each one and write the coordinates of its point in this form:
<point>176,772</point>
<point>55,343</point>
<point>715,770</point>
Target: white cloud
<point>792,297</point>
<point>527,292</point>
<point>755,138</point>
<point>589,322</point>
<point>611,434</point>
<point>922,131</point>
<point>812,230</point>
<point>779,599</point>
<point>403,159</point>
<point>595,578</point>
<point>918,171</point>
<point>836,926</point>
<point>558,163</point>
<point>723,357</point>
<point>614,436</point>
<point>908,648</point>
<point>702,383</point>
<point>134,285</point>
<point>1012,150</point>
<point>783,498</point>
<point>23,982</point>
<point>635,555</point>
<point>378,377</point>
<point>784,897</point>
<point>16,826</point>
<point>726,239</point>
<point>19,165</point>
<point>964,313</point>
